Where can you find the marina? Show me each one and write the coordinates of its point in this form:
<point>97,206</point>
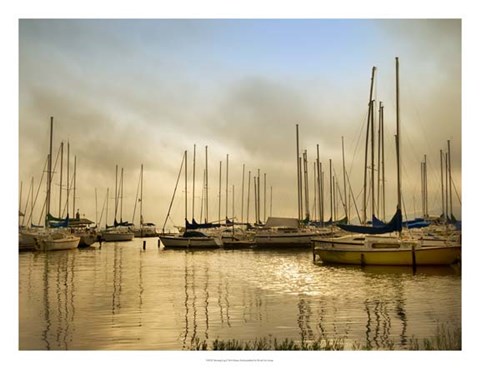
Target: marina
<point>185,197</point>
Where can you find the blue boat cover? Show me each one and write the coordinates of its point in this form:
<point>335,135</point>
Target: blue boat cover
<point>395,224</point>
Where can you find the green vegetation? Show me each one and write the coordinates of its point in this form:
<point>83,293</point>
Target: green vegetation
<point>443,340</point>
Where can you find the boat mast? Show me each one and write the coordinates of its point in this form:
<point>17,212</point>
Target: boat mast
<point>366,148</point>
<point>255,197</point>
<point>382,137</point>
<point>174,192</point>
<point>264,197</point>
<point>441,176</point>
<point>450,179</point>
<point>193,182</point>
<point>226,190</point>
<point>248,197</point>
<point>322,193</point>
<point>399,182</point>
<point>49,174</point>
<point>74,181</point>
<point>243,188</point>
<point>305,171</point>
<point>258,197</point>
<point>299,186</point>
<point>220,192</point>
<point>422,185</point>
<point>344,180</point>
<point>319,173</point>
<point>106,212</point>
<point>206,184</point>
<point>61,178</point>
<point>446,187</point>
<point>141,195</point>
<point>68,177</point>
<point>426,186</point>
<point>186,199</point>
<point>373,157</point>
<point>120,198</point>
<point>116,193</point>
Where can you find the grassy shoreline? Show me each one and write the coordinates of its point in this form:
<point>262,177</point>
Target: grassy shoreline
<point>443,340</point>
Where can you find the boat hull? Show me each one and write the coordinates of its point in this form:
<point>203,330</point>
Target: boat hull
<point>442,255</point>
<point>175,242</point>
<point>87,240</point>
<point>287,240</point>
<point>54,244</point>
<point>117,237</point>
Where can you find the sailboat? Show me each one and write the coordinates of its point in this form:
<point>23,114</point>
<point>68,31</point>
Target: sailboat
<point>54,238</point>
<point>189,238</point>
<point>378,246</point>
<point>119,232</point>
<point>144,229</point>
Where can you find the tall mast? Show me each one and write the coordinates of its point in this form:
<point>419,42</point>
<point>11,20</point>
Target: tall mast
<point>450,178</point>
<point>315,215</point>
<point>220,192</point>
<point>258,197</point>
<point>318,184</point>
<point>243,188</point>
<point>426,187</point>
<point>226,190</point>
<point>331,193</point>
<point>264,197</point>
<point>441,176</point>
<point>186,197</point>
<point>74,181</point>
<point>68,177</point>
<point>382,137</point>
<point>344,180</point>
<point>248,197</point>
<point>399,182</point>
<point>373,157</point>
<point>233,203</point>
<point>422,185</point>
<point>305,171</point>
<point>206,184</point>
<point>141,194</point>
<point>121,196</point>
<point>447,202</point>
<point>61,184</point>
<point>49,174</point>
<point>369,120</point>
<point>116,192</point>
<point>299,187</point>
<point>193,182</point>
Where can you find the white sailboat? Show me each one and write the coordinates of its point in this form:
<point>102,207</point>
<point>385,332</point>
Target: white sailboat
<point>118,232</point>
<point>283,232</point>
<point>144,229</point>
<point>188,239</point>
<point>54,239</point>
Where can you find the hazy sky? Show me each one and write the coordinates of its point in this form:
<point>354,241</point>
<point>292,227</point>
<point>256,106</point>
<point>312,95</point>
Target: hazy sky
<point>132,92</point>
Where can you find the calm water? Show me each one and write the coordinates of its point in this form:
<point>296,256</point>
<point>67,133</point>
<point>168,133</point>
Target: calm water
<point>122,297</point>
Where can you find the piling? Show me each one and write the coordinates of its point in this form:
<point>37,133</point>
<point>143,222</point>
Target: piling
<point>414,259</point>
<point>144,244</point>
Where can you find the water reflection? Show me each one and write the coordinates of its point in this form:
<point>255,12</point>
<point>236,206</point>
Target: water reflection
<point>58,308</point>
<point>120,297</point>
